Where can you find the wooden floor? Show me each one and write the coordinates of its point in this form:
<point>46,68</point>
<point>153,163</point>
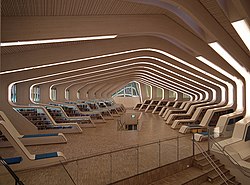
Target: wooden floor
<point>104,138</point>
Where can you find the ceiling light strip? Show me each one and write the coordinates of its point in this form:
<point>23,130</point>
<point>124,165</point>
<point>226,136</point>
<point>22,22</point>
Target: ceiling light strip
<point>50,41</point>
<point>243,30</point>
<point>238,67</point>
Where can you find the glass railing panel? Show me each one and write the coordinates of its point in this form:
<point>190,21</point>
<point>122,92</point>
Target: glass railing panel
<point>124,164</point>
<point>112,166</point>
<point>52,175</point>
<point>168,151</point>
<point>95,170</point>
<point>185,145</point>
<point>5,176</point>
<point>148,157</point>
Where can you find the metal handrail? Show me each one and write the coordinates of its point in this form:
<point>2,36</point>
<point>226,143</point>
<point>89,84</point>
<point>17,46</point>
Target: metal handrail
<point>71,178</point>
<point>233,161</point>
<point>214,165</point>
<point>12,173</point>
<point>123,148</point>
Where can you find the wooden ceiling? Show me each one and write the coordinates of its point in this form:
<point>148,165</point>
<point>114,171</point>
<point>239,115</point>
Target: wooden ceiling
<point>92,8</point>
<point>28,8</point>
<point>218,14</point>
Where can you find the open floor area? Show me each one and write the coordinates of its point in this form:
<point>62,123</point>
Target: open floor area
<point>125,92</point>
<point>156,142</point>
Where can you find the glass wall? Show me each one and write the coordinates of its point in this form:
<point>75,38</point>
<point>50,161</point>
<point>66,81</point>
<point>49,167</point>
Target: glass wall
<point>67,95</point>
<point>130,90</point>
<point>148,91</point>
<point>78,95</point>
<point>159,93</point>
<point>172,94</point>
<point>36,93</point>
<point>53,94</point>
<point>13,93</point>
<point>186,97</point>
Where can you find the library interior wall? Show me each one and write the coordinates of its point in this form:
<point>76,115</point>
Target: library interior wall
<point>44,57</point>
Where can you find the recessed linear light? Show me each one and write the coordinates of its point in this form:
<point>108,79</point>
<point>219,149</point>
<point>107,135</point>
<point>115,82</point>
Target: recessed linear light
<point>225,73</point>
<point>243,30</point>
<point>242,70</point>
<point>20,43</point>
<point>227,57</point>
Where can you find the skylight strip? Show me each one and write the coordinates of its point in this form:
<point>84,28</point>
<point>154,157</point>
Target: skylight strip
<point>50,41</point>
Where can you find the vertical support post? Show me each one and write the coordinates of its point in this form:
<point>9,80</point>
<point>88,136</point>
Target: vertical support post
<point>193,144</point>
<point>159,153</point>
<point>208,141</point>
<point>77,170</point>
<point>137,165</point>
<point>177,148</point>
<point>111,167</point>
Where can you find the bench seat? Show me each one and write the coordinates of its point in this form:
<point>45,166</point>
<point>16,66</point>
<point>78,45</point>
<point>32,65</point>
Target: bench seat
<point>40,135</point>
<point>13,160</point>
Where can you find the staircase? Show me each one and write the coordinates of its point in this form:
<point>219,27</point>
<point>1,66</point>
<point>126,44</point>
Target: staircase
<point>200,173</point>
<point>212,176</point>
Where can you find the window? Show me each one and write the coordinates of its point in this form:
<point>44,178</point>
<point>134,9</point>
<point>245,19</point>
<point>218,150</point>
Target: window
<point>67,95</point>
<point>78,94</point>
<point>53,94</point>
<point>159,93</point>
<point>36,93</point>
<point>130,90</point>
<point>186,97</point>
<point>172,94</point>
<point>148,91</point>
<point>13,93</point>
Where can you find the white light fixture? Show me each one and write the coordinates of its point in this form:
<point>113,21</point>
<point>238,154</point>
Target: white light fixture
<point>243,30</point>
<point>227,57</point>
<point>225,73</point>
<point>212,65</point>
<point>242,70</point>
<point>20,43</point>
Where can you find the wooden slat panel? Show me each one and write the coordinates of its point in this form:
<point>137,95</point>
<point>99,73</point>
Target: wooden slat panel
<point>218,14</point>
